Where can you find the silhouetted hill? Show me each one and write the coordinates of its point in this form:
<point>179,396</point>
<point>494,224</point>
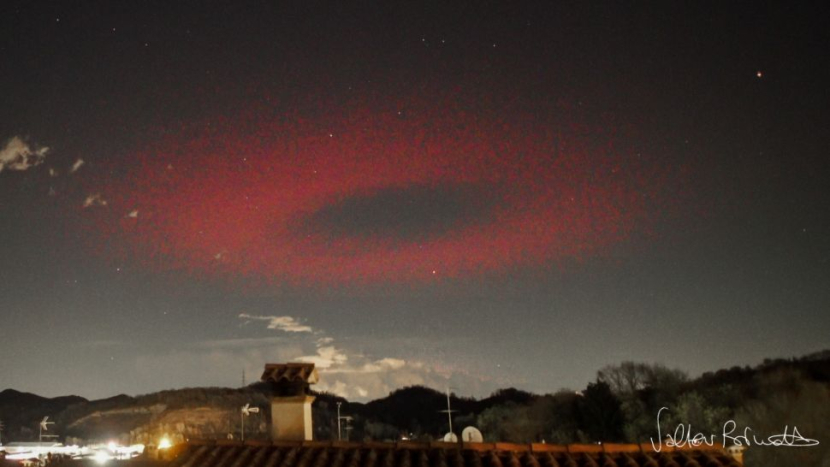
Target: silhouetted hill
<point>503,396</point>
<point>414,411</point>
<point>21,412</point>
<point>9,397</point>
<point>742,380</point>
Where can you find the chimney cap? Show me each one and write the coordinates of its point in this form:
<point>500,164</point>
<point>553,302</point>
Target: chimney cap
<point>290,373</point>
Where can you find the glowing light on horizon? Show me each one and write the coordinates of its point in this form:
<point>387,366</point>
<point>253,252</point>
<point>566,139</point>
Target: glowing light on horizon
<point>165,443</point>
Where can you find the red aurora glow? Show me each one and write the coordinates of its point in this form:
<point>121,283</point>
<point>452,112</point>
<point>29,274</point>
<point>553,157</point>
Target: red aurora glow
<point>372,196</point>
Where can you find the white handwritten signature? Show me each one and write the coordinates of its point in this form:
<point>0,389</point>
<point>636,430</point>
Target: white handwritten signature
<point>683,436</point>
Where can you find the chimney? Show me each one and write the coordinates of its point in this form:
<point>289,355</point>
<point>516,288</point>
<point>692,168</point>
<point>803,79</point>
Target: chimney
<point>291,404</point>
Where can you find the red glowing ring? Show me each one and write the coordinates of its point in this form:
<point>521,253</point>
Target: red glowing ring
<point>269,198</point>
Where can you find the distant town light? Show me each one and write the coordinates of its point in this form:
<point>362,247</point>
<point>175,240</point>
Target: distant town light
<point>165,443</point>
<point>101,457</point>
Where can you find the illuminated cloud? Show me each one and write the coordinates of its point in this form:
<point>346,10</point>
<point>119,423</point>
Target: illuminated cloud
<point>77,165</point>
<point>281,323</point>
<point>94,199</point>
<point>133,214</point>
<point>343,371</point>
<point>380,377</point>
<point>19,155</point>
<point>326,357</point>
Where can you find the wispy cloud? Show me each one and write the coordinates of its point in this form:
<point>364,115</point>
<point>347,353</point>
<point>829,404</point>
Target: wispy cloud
<point>19,155</point>
<point>281,323</point>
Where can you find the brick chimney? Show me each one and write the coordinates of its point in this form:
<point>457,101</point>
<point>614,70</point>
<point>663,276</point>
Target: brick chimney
<point>291,404</point>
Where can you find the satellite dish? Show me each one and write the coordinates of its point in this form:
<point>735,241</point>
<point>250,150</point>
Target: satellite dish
<point>471,435</point>
<point>450,438</point>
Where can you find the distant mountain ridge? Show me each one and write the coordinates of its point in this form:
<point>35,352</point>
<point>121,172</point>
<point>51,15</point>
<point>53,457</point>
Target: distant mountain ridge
<point>11,396</point>
<point>411,411</point>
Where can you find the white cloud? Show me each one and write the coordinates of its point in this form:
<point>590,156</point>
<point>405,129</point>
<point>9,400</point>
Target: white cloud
<point>282,323</point>
<point>344,371</point>
<point>77,165</point>
<point>18,155</point>
<point>94,199</point>
<point>326,357</point>
<point>374,379</point>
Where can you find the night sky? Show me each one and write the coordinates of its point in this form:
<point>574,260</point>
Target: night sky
<point>471,196</point>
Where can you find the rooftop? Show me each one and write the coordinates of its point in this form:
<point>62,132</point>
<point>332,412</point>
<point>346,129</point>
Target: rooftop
<point>290,372</point>
<point>439,454</point>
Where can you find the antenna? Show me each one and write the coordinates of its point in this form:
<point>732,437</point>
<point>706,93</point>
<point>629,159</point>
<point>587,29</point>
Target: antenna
<point>246,411</point>
<point>449,412</point>
<point>339,418</point>
<point>348,426</point>
<point>471,435</point>
<point>243,377</point>
<point>44,426</point>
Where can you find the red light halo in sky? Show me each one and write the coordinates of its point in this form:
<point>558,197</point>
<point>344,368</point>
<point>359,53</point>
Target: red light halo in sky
<point>227,196</point>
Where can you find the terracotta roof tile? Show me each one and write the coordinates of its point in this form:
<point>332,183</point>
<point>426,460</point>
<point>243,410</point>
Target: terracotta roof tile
<point>290,372</point>
<point>414,454</point>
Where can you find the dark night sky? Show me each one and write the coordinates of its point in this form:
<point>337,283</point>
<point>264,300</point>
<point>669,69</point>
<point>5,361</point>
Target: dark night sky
<point>472,196</point>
